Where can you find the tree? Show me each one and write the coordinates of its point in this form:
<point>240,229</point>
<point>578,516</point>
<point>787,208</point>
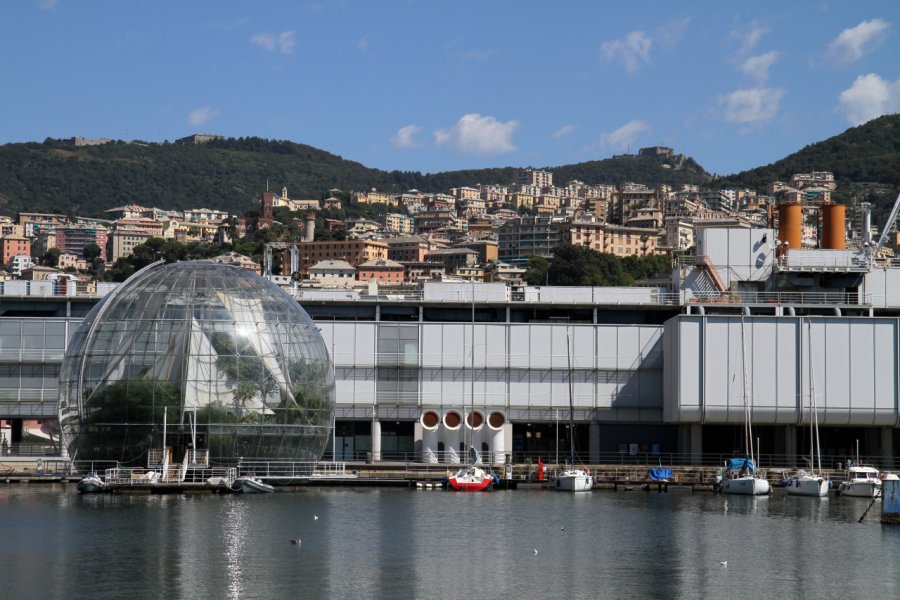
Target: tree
<point>90,252</point>
<point>538,269</point>
<point>51,257</point>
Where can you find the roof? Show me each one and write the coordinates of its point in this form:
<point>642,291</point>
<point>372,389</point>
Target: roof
<point>382,263</point>
<point>332,265</point>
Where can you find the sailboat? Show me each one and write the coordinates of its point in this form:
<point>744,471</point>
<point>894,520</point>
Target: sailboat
<point>470,477</point>
<point>742,476</point>
<point>813,483</point>
<point>572,479</point>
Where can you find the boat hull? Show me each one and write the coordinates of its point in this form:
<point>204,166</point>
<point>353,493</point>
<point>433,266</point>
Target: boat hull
<point>746,486</point>
<point>574,481</point>
<point>469,486</point>
<point>91,486</point>
<point>860,489</point>
<point>247,485</point>
<point>470,479</point>
<point>807,486</point>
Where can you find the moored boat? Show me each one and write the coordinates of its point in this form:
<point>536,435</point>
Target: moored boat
<point>743,479</point>
<point>251,485</point>
<point>91,484</point>
<point>813,483</point>
<point>802,483</point>
<point>574,480</point>
<point>860,482</point>
<point>470,479</point>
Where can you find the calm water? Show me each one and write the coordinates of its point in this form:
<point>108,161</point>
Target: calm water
<point>388,543</point>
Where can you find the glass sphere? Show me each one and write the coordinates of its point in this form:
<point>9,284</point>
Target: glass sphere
<point>232,363</point>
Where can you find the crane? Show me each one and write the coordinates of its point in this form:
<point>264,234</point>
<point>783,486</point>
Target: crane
<point>887,228</point>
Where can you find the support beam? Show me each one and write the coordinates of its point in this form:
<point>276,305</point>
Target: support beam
<point>594,443</point>
<point>376,440</point>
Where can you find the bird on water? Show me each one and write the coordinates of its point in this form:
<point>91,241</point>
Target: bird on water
<point>297,542</point>
<point>724,563</point>
<point>315,517</point>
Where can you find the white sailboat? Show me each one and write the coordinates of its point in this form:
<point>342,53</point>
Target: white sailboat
<point>471,477</point>
<point>743,476</point>
<point>813,483</point>
<point>573,479</point>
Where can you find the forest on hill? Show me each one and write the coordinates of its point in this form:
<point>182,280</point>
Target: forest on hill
<point>57,176</point>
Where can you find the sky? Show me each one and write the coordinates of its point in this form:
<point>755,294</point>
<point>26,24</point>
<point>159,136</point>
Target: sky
<point>427,86</point>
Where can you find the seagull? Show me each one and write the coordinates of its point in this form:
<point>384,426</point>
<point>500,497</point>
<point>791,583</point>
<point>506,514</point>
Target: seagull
<point>562,528</point>
<point>297,542</point>
<point>724,563</point>
<point>315,517</point>
<point>535,550</point>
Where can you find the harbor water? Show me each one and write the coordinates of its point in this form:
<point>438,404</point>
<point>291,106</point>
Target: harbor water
<point>394,543</point>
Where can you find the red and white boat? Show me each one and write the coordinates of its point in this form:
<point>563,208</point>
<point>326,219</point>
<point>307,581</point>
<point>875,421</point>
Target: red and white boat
<point>470,479</point>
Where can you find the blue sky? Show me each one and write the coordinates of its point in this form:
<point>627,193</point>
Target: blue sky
<point>435,86</point>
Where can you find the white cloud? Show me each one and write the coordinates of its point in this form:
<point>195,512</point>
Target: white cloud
<point>625,136</point>
<point>752,105</point>
<point>757,67</point>
<point>633,49</point>
<point>363,43</point>
<point>201,115</point>
<point>406,137</point>
<point>748,38</point>
<point>852,43</point>
<point>284,42</point>
<point>474,134</point>
<point>870,96</point>
<point>563,131</point>
<point>671,33</point>
<point>47,4</point>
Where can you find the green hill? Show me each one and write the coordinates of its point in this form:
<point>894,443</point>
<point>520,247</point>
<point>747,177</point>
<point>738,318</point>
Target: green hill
<point>865,161</point>
<point>57,176</point>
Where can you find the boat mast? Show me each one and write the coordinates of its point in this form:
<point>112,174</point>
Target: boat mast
<point>748,432</point>
<point>472,375</point>
<point>813,405</point>
<point>571,403</point>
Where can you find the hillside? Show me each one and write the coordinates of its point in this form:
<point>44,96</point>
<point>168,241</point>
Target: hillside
<point>865,161</point>
<point>57,176</point>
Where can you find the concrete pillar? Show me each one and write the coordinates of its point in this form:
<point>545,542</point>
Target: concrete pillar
<point>417,440</point>
<point>790,445</point>
<point>594,445</point>
<point>696,444</point>
<point>690,443</point>
<point>887,447</point>
<point>376,440</point>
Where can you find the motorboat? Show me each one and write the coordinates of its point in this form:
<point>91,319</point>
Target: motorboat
<point>470,479</point>
<point>92,484</point>
<point>860,482</point>
<point>251,485</point>
<point>575,480</point>
<point>802,483</point>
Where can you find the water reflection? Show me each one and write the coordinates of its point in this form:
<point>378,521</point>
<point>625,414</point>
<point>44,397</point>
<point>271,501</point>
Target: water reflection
<point>395,543</point>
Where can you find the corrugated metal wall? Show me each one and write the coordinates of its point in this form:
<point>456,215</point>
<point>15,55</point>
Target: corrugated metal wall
<point>854,364</point>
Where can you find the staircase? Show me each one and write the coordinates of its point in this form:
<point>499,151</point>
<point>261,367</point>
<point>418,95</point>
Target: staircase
<point>705,264</point>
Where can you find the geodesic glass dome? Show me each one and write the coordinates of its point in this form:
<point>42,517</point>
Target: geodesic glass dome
<point>230,360</point>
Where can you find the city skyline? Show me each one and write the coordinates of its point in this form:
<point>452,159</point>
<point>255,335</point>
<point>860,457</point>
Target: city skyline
<point>416,87</point>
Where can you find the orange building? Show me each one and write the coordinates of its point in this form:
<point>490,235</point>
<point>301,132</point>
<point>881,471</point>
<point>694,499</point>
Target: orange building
<point>354,252</point>
<point>382,270</point>
<point>14,245</point>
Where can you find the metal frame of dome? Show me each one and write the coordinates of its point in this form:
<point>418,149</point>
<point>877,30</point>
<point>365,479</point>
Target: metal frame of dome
<point>234,362</point>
